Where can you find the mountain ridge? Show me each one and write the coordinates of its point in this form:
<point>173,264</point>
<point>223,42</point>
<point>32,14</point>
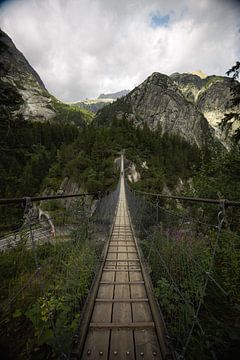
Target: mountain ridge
<point>158,102</point>
<point>19,78</point>
<point>180,104</point>
<point>23,95</point>
<point>114,95</point>
<point>95,105</point>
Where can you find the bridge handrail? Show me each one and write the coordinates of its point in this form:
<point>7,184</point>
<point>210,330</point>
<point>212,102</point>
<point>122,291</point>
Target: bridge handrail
<point>51,197</point>
<point>224,202</point>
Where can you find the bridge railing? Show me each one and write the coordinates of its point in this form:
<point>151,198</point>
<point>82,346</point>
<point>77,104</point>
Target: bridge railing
<point>47,267</point>
<point>195,269</point>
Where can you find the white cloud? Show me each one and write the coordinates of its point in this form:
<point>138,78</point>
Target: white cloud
<point>82,48</point>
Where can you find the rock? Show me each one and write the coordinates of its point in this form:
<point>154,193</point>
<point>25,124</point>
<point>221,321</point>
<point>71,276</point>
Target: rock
<point>21,85</point>
<point>158,102</point>
<point>132,174</point>
<point>115,95</point>
<point>94,105</point>
<point>212,96</point>
<point>103,100</point>
<point>190,105</point>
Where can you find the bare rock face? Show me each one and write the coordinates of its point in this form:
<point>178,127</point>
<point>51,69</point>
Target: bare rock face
<point>21,86</point>
<point>158,101</point>
<point>212,96</point>
<point>188,105</point>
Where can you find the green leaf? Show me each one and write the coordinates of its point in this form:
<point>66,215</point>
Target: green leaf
<point>17,313</point>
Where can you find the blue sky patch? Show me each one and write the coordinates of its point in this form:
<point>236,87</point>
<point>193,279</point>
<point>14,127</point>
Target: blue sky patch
<point>3,2</point>
<point>157,20</point>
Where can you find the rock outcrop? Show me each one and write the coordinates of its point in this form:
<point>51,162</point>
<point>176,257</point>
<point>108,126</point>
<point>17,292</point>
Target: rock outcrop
<point>188,105</point>
<point>159,103</point>
<point>103,100</point>
<point>211,95</point>
<point>94,105</point>
<point>115,95</point>
<point>23,94</point>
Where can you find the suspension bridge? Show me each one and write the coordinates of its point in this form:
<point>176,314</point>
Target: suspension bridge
<point>124,319</point>
<point>144,245</point>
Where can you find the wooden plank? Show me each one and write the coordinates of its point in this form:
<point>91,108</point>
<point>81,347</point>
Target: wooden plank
<point>132,255</point>
<point>160,329</point>
<point>121,283</point>
<point>130,270</point>
<point>111,256</point>
<point>146,345</point>
<point>135,276</point>
<point>122,300</point>
<point>122,325</point>
<point>105,291</point>
<point>122,292</point>
<point>122,266</point>
<point>122,309</point>
<point>125,248</point>
<point>122,260</point>
<point>112,248</point>
<point>96,345</point>
<point>122,252</point>
<point>107,276</point>
<point>122,345</point>
<point>122,276</point>
<point>141,312</point>
<point>102,311</point>
<point>138,291</point>
<point>122,242</point>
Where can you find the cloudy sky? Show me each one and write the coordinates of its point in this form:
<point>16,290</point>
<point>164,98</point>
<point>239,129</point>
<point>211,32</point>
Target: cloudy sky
<point>82,48</point>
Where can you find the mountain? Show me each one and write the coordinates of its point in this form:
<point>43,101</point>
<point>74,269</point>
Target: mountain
<point>115,95</point>
<point>159,103</point>
<point>211,95</point>
<point>23,95</point>
<point>95,105</point>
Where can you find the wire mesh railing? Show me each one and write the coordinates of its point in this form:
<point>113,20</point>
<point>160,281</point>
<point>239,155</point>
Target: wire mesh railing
<point>195,269</point>
<point>46,270</point>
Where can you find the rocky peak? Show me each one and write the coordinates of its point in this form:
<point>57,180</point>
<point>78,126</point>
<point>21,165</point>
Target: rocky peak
<point>115,95</point>
<point>158,102</point>
<point>211,95</point>
<point>13,62</point>
<point>199,73</point>
<point>20,83</point>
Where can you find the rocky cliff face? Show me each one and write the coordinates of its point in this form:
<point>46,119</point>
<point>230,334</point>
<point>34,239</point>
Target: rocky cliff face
<point>185,104</point>
<point>159,102</point>
<point>22,92</point>
<point>211,95</point>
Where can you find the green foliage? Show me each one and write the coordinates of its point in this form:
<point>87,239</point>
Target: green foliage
<point>107,115</point>
<point>218,177</point>
<point>47,308</point>
<point>211,80</point>
<point>89,159</point>
<point>27,152</point>
<point>179,259</point>
<point>233,118</point>
<point>71,114</point>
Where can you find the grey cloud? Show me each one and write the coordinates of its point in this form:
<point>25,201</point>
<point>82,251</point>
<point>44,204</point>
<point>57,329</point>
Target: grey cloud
<point>82,48</point>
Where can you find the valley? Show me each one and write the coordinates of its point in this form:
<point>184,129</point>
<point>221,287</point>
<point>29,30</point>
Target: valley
<point>177,136</point>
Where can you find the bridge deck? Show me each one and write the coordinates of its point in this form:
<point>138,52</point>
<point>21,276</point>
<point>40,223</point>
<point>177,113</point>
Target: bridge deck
<point>122,324</point>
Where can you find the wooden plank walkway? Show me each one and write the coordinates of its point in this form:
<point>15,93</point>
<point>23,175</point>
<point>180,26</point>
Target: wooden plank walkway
<point>122,324</point>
